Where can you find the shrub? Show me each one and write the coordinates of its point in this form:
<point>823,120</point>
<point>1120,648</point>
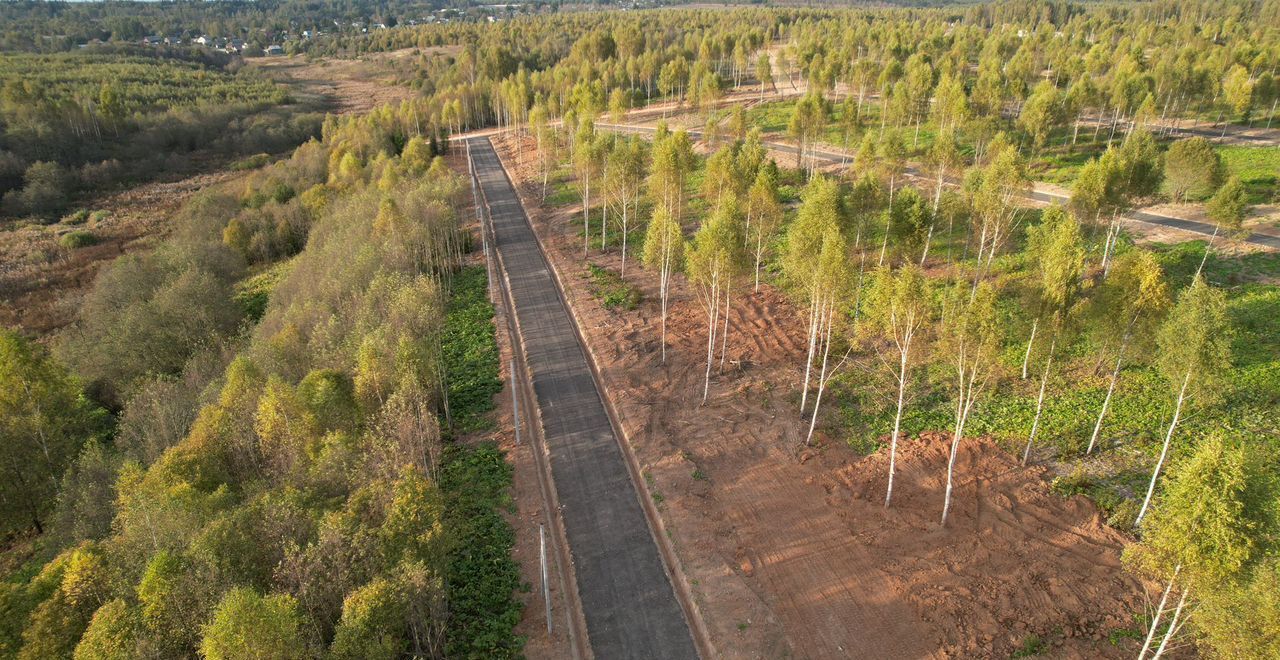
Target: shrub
<point>77,239</point>
<point>76,217</point>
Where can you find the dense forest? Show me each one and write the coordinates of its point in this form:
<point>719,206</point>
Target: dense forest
<point>239,446</point>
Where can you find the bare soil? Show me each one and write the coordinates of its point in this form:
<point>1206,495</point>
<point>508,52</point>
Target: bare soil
<point>349,86</point>
<point>41,283</point>
<point>789,550</point>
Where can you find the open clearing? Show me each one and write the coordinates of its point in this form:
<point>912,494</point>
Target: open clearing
<point>350,86</point>
<point>789,550</point>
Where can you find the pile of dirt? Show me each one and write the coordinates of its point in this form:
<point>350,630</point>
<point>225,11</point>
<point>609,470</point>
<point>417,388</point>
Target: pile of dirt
<point>789,550</point>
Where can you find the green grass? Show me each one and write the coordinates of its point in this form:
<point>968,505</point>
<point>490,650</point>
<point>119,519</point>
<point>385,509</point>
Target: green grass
<point>1257,167</point>
<point>470,352</point>
<point>610,289</point>
<point>77,239</point>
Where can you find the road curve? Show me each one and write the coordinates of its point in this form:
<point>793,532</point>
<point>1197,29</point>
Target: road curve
<point>1264,240</point>
<point>630,606</point>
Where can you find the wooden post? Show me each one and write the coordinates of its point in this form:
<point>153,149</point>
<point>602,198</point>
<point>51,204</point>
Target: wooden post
<point>546,588</point>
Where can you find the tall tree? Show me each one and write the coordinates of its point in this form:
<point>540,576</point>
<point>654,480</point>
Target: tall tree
<point>819,212</point>
<point>586,161</point>
<point>764,215</point>
<point>970,340</point>
<point>1057,250</point>
<point>663,251</point>
<point>899,313</point>
<point>713,261</point>
<point>1195,350</point>
<point>44,421</point>
<point>1129,306</point>
<point>831,281</point>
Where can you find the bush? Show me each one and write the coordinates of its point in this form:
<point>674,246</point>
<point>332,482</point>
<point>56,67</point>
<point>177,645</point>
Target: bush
<point>252,162</point>
<point>77,239</point>
<point>76,217</point>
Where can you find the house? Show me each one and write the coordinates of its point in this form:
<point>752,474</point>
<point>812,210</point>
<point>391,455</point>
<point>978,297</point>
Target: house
<point>152,41</point>
<point>273,49</point>
<point>203,40</point>
<point>173,41</point>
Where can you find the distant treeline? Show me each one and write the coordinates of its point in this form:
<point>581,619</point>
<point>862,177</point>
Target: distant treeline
<point>105,116</point>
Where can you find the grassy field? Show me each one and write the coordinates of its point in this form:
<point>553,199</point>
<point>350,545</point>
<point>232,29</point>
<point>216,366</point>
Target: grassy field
<point>1257,167</point>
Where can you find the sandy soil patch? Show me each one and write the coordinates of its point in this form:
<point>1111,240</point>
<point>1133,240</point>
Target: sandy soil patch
<point>350,86</point>
<point>789,550</point>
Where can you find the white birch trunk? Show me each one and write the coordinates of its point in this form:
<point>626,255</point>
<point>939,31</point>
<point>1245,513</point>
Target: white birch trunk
<point>1106,402</point>
<point>1173,624</point>
<point>1164,452</point>
<point>1026,357</point>
<point>1155,621</point>
<point>897,418</point>
<point>1035,424</point>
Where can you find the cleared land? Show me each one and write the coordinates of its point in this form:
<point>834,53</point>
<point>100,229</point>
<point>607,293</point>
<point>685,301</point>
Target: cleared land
<point>789,549</point>
<point>350,86</point>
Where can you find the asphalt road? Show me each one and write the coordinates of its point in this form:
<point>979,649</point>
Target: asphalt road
<point>628,601</point>
<point>1265,240</point>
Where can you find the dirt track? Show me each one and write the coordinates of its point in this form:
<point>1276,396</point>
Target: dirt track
<point>790,551</point>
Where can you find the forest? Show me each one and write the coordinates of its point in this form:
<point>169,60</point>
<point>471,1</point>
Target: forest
<point>239,447</point>
<point>91,120</point>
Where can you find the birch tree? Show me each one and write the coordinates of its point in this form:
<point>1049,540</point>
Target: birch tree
<point>1194,352</point>
<point>713,260</point>
<point>995,192</point>
<point>899,313</point>
<point>764,215</point>
<point>1055,246</point>
<point>1208,528</point>
<point>819,212</point>
<point>626,176</point>
<point>586,163</point>
<point>1129,306</point>
<point>671,161</point>
<point>832,285</point>
<point>548,143</point>
<point>664,252</point>
<point>970,341</point>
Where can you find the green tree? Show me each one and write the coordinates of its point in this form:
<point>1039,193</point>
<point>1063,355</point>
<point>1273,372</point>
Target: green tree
<point>1055,246</point>
<point>44,421</point>
<point>970,340</point>
<point>1229,207</point>
<point>900,313</point>
<point>1195,351</point>
<point>1237,89</point>
<point>1128,306</point>
<point>110,635</point>
<point>663,251</point>
<point>714,259</point>
<point>247,625</point>
<point>1192,169</point>
<point>1209,527</point>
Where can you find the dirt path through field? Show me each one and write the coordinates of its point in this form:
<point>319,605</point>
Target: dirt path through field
<point>789,550</point>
